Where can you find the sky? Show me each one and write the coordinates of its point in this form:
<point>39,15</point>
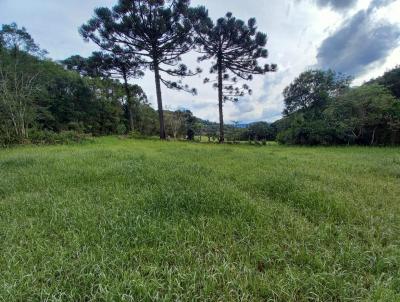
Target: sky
<point>360,38</point>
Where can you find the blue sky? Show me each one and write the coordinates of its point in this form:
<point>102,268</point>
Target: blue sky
<point>357,37</point>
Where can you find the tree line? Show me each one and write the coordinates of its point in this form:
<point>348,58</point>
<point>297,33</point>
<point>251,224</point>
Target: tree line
<point>40,96</point>
<point>322,109</point>
<point>132,36</point>
<point>156,34</point>
<point>95,95</point>
<point>46,101</point>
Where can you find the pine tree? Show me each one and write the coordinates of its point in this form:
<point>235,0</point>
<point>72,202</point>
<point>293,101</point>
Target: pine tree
<point>235,49</point>
<point>122,65</point>
<point>157,32</point>
<point>115,64</point>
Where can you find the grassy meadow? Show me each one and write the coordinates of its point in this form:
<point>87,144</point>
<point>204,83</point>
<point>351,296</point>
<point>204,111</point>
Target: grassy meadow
<point>137,220</point>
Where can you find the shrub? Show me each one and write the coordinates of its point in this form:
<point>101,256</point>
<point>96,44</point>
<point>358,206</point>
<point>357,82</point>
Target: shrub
<point>136,135</point>
<point>52,138</point>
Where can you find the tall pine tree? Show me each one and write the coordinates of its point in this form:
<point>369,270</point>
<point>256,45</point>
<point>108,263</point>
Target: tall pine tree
<point>114,64</point>
<point>158,32</point>
<point>235,48</point>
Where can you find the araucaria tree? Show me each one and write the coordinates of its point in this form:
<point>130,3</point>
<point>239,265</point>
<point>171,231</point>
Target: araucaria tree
<point>235,48</point>
<point>157,32</point>
<point>116,63</point>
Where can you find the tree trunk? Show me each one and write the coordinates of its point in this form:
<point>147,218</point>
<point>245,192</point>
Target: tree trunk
<point>159,101</point>
<point>220,104</point>
<point>129,101</point>
<point>373,136</point>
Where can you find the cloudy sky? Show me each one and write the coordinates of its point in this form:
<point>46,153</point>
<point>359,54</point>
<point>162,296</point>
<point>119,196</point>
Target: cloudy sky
<point>357,37</point>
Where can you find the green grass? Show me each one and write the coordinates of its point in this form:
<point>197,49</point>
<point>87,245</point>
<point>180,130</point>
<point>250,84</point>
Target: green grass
<point>124,220</point>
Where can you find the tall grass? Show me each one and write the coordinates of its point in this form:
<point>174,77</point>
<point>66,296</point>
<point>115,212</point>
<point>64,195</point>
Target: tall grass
<point>126,220</point>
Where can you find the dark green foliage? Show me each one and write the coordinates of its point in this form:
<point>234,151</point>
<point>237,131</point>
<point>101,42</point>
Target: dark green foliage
<point>156,32</point>
<point>304,129</point>
<point>211,130</point>
<point>105,65</point>
<point>19,40</point>
<point>334,114</point>
<point>366,115</point>
<point>20,82</point>
<point>391,80</point>
<point>190,124</point>
<point>116,64</point>
<point>84,100</point>
<point>85,67</point>
<point>235,48</point>
<point>314,88</point>
<point>94,106</point>
<point>57,138</point>
<point>260,131</point>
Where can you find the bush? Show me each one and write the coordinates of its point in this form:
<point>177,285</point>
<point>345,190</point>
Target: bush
<point>121,129</point>
<point>136,135</point>
<point>6,140</point>
<point>52,138</point>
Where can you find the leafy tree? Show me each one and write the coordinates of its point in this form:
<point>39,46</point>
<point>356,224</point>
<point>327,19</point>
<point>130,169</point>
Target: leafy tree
<point>146,119</point>
<point>364,112</point>
<point>314,88</point>
<point>235,48</point>
<point>19,79</point>
<point>156,31</point>
<point>39,98</point>
<point>367,115</point>
<point>82,66</point>
<point>19,40</point>
<point>191,124</point>
<point>260,131</point>
<point>116,64</point>
<point>175,122</point>
<point>391,80</point>
<point>211,130</point>
<point>121,65</point>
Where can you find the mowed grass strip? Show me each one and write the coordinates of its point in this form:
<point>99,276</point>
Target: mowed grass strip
<point>124,220</point>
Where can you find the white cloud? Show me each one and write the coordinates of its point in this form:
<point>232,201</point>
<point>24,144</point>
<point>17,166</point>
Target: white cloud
<point>296,30</point>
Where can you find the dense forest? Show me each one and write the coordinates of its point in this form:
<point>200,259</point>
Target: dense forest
<point>322,108</point>
<point>43,101</point>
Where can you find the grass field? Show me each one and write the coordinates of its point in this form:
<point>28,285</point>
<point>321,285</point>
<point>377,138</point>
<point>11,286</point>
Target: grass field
<point>124,220</point>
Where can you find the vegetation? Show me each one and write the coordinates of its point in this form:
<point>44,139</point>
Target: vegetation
<point>37,94</point>
<point>129,220</point>
<point>94,96</point>
<point>157,33</point>
<point>126,217</point>
<point>235,48</point>
<point>122,66</point>
<point>321,108</point>
<point>391,80</point>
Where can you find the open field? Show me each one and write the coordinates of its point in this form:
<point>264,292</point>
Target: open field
<point>123,220</point>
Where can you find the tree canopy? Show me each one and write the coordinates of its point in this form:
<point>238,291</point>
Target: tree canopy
<point>314,88</point>
<point>321,108</point>
<point>40,98</point>
<point>19,40</point>
<point>158,33</point>
<point>116,64</point>
<point>235,48</point>
<point>391,80</point>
